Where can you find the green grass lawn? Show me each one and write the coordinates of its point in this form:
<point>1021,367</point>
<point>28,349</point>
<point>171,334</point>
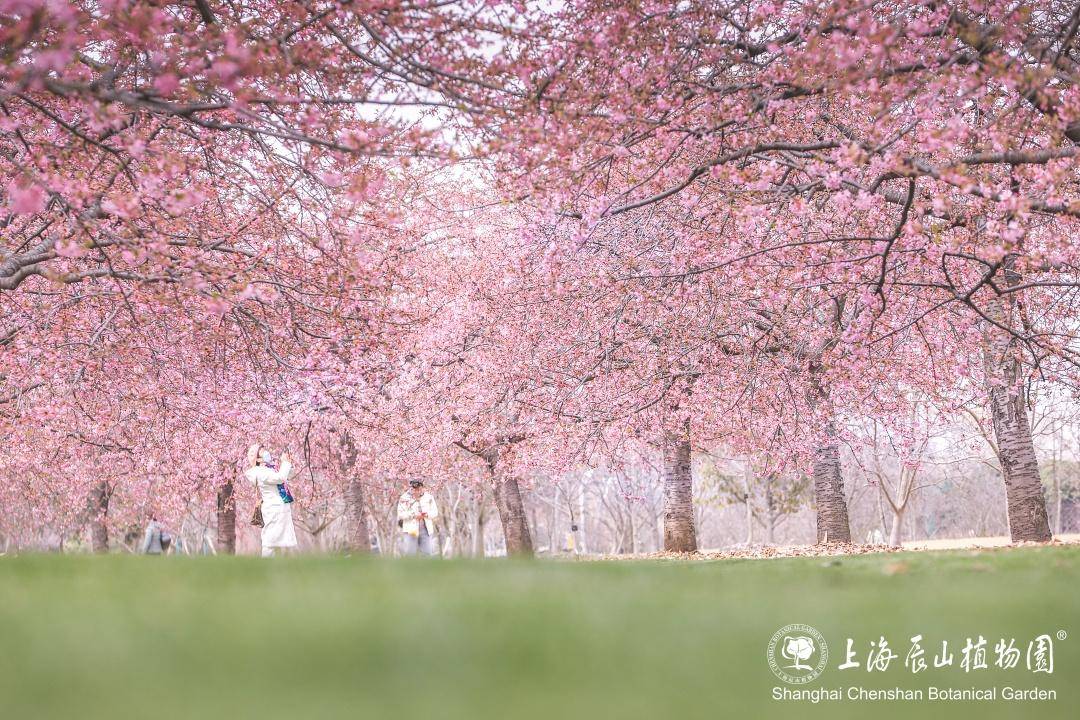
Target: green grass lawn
<point>314,637</point>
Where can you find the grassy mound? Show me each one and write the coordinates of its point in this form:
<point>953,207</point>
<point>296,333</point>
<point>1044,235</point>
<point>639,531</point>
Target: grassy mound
<point>318,637</point>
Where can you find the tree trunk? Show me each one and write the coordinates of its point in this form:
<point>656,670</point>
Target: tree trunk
<point>770,510</point>
<point>511,509</point>
<point>1056,484</point>
<point>533,520</point>
<point>357,534</point>
<point>99,514</point>
<point>749,522</point>
<point>679,532</point>
<point>583,546</point>
<point>384,526</point>
<point>1019,466</point>
<point>478,534</point>
<point>553,522</point>
<point>832,512</point>
<point>1012,432</point>
<point>512,514</point>
<point>832,515</point>
<point>453,542</point>
<point>895,536</point>
<point>226,519</point>
<point>1057,507</point>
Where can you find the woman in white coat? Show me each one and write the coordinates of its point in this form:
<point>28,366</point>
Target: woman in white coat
<point>278,530</point>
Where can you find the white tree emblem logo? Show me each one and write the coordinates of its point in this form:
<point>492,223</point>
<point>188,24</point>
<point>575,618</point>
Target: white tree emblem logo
<point>797,654</point>
<point>798,647</point>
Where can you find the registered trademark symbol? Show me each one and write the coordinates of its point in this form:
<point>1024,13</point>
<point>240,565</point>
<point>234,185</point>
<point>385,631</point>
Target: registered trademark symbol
<point>1061,634</point>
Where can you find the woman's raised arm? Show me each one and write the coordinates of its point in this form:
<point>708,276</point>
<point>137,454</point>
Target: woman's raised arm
<point>282,473</point>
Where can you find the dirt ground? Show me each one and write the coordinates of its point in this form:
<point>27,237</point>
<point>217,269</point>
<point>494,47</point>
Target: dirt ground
<point>831,549</point>
<point>979,542</point>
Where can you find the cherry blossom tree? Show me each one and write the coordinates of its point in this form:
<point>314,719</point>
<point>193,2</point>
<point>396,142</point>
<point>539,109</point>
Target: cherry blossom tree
<point>506,241</point>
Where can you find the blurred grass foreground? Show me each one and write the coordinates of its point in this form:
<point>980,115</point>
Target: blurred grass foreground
<point>87,637</point>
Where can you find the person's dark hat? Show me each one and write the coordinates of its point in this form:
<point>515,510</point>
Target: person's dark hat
<point>415,483</point>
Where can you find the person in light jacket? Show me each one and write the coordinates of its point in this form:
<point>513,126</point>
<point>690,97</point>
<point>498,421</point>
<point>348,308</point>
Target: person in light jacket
<point>416,512</point>
<point>278,531</point>
<point>152,544</point>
